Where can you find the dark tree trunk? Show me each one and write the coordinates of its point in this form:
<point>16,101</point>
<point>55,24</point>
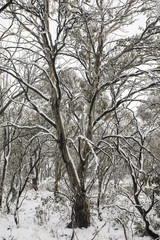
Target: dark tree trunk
<point>80,212</point>
<point>2,183</point>
<point>58,173</point>
<point>5,6</point>
<point>35,183</point>
<point>35,180</point>
<point>143,212</point>
<point>152,234</point>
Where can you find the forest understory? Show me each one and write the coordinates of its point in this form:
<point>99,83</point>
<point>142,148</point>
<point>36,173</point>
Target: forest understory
<point>42,216</point>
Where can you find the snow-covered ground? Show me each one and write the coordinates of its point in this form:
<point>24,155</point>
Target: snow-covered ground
<point>40,218</point>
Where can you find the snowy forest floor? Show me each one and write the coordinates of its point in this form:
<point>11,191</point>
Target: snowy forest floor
<point>41,218</point>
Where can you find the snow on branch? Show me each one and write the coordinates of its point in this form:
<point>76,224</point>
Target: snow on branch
<point>25,127</point>
<point>125,138</point>
<point>91,146</point>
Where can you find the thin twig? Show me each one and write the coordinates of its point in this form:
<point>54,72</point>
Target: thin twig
<point>98,231</point>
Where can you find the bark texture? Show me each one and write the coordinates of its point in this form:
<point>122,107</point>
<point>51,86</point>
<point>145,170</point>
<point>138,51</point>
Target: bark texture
<point>80,212</point>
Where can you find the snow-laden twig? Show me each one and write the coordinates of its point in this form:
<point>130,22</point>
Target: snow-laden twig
<point>98,231</point>
<point>125,138</point>
<point>124,228</point>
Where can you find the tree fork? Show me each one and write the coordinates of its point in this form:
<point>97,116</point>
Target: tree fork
<point>143,212</point>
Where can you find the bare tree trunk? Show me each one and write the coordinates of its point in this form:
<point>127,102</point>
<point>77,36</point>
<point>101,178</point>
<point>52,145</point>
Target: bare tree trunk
<point>35,179</point>
<point>6,155</point>
<point>3,181</point>
<point>12,191</point>
<point>80,212</point>
<point>142,211</point>
<point>58,173</point>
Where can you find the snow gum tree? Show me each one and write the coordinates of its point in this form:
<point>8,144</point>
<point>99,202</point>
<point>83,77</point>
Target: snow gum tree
<point>85,66</point>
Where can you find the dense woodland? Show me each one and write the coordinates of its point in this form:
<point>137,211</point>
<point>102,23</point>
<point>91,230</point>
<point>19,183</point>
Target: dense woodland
<point>80,105</point>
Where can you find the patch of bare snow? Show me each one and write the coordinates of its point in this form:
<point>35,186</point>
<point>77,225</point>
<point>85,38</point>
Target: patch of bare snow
<point>55,226</point>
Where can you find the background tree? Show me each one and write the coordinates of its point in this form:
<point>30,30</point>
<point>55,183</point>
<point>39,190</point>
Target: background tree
<point>78,75</point>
